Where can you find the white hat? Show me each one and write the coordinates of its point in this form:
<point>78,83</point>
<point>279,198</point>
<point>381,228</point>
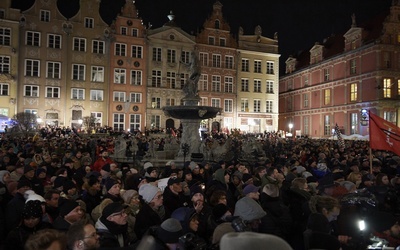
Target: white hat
<point>147,165</point>
<point>148,191</point>
<point>251,240</point>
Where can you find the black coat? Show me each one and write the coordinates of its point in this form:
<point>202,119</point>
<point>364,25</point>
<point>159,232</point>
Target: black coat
<point>14,211</point>
<point>172,201</point>
<point>18,236</point>
<point>145,219</point>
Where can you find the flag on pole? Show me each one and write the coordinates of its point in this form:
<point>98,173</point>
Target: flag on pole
<point>173,132</point>
<point>339,137</point>
<point>383,135</point>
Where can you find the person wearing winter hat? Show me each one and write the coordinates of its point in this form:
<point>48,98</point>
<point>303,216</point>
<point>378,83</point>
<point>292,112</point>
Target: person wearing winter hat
<point>152,212</point>
<point>386,226</point>
<point>188,218</point>
<point>252,192</point>
<point>203,210</point>
<point>5,196</point>
<point>29,175</point>
<point>91,194</point>
<point>105,171</point>
<point>250,211</point>
<point>131,200</point>
<point>252,240</point>
<point>16,205</point>
<point>112,226</point>
<point>31,223</point>
<point>134,181</point>
<point>69,189</point>
<point>70,212</point>
<point>151,174</point>
<point>220,182</point>
<point>173,195</point>
<point>113,188</point>
<point>169,232</point>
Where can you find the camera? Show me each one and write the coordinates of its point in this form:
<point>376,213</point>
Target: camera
<point>189,241</point>
<point>239,225</point>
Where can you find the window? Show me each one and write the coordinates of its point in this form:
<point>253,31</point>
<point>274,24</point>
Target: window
<point>228,84</point>
<point>353,66</point>
<point>53,70</point>
<point>171,79</point>
<point>119,96</point>
<point>305,100</point>
<point>54,41</point>
<point>353,92</point>
<point>203,82</point>
<point>244,105</point>
<point>120,76</point>
<point>97,74</point>
<point>135,32</point>
<point>78,72</point>
<point>156,78</point>
<point>124,31</point>
<point>228,105</point>
<point>137,51</point>
<point>268,106</point>
<point>354,123</point>
<point>32,67</point>
<point>387,88</point>
<point>5,36</point>
<point>120,49</point>
<point>98,47</point>
<point>155,121</point>
<point>33,38</point>
<point>222,42</point>
<point>204,101</point>
<point>257,66</point>
<point>45,16</point>
<point>89,23</point>
<point>31,91</point>
<point>390,116</point>
<point>326,74</point>
<point>203,59</point>
<point>77,94</point>
<point>245,85</point>
<point>211,40</point>
<point>290,84</point>
<point>327,125</point>
<point>52,92</point>
<point>134,122</point>
<point>170,102</point>
<point>136,97</point>
<point>30,111</point>
<point>157,54</point>
<point>2,14</point>
<point>185,56</point>
<point>306,82</point>
<point>98,116</point>
<point>257,105</point>
<point>229,62</point>
<point>306,125</point>
<point>327,96</point>
<point>5,64</point>
<point>118,122</point>
<point>398,87</point>
<point>79,44</point>
<point>270,68</point>
<point>171,56</point>
<point>183,79</point>
<point>245,65</point>
<point>215,102</point>
<point>96,95</point>
<point>216,83</point>
<point>289,103</point>
<point>216,61</point>
<point>270,87</point>
<point>216,24</point>
<point>257,86</point>
<point>4,89</point>
<point>136,77</point>
<point>156,102</point>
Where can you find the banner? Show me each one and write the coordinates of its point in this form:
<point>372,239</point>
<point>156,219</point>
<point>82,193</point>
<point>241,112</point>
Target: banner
<point>383,135</point>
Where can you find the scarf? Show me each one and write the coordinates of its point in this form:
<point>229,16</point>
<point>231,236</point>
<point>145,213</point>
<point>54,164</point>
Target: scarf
<point>114,228</point>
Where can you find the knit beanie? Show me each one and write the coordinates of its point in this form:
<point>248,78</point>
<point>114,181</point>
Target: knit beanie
<point>148,191</point>
<point>248,209</point>
<point>110,182</point>
<point>67,206</point>
<point>195,189</point>
<point>23,183</point>
<point>106,168</point>
<point>39,171</point>
<point>169,231</point>
<point>67,185</point>
<point>192,165</point>
<point>28,168</point>
<point>252,240</point>
<point>147,165</point>
<point>32,209</point>
<point>128,194</point>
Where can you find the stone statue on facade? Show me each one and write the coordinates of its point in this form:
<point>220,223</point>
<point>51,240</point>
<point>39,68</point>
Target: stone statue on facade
<point>190,89</point>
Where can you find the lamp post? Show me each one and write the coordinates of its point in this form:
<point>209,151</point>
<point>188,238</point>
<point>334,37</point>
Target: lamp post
<point>290,129</point>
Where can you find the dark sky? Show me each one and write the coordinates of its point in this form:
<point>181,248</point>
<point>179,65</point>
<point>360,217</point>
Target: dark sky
<point>299,23</point>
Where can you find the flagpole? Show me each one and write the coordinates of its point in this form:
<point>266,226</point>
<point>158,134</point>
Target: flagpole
<point>370,160</point>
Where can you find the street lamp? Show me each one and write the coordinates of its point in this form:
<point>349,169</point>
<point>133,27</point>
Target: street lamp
<point>290,130</point>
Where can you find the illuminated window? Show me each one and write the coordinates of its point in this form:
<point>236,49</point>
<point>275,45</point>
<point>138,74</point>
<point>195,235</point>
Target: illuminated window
<point>353,92</point>
<point>327,96</point>
<point>387,85</point>
<point>327,125</point>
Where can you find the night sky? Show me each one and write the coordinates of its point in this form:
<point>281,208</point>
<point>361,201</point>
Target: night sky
<point>299,23</point>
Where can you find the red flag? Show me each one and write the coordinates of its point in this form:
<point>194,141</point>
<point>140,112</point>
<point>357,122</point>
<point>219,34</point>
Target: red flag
<point>173,132</point>
<point>383,135</point>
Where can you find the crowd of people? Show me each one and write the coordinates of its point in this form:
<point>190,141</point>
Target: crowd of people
<point>64,191</point>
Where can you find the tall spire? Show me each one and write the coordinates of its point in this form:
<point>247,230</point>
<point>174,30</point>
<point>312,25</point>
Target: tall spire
<point>353,21</point>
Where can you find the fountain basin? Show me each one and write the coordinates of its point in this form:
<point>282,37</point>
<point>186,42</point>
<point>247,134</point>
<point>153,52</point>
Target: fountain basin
<point>191,112</point>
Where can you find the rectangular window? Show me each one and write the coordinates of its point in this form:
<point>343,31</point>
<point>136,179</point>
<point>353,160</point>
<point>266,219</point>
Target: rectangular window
<point>228,84</point>
<point>97,74</point>
<point>257,106</point>
<point>31,91</point>
<point>245,65</point>
<point>204,101</point>
<point>120,76</point>
<point>170,102</point>
<point>185,56</point>
<point>257,85</point>
<point>79,44</point>
<point>229,62</point>
<point>390,116</point>
<point>387,88</point>
<point>5,64</point>
<point>354,123</point>
<point>171,56</point>
<point>54,41</point>
<point>5,36</point>
<point>2,14</point>
<point>171,79</point>
<point>327,125</point>
<point>33,38</point>
<point>53,70</point>
<point>118,122</point>
<point>136,97</point>
<point>78,72</point>
<point>289,103</point>
<point>306,125</point>
<point>183,79</point>
<point>353,67</point>
<point>244,105</point>
<point>203,59</point>
<point>137,51</point>
<point>306,82</point>
<point>89,22</point>
<point>45,16</point>
<point>327,96</point>
<point>136,77</point>
<point>222,42</point>
<point>270,68</point>
<point>124,31</point>
<point>135,32</point>
<point>216,83</point>
<point>4,89</point>
<point>353,92</point>
<point>156,78</point>
<point>98,116</point>
<point>326,74</point>
<point>305,100</point>
<point>245,85</point>
<point>98,47</point>
<point>32,67</point>
<point>268,106</point>
<point>257,66</point>
<point>30,111</point>
<point>52,92</point>
<point>120,49</point>
<point>228,105</point>
<point>203,82</point>
<point>77,94</point>
<point>270,87</point>
<point>96,95</point>
<point>290,84</point>
<point>134,122</point>
<point>215,102</point>
<point>156,102</point>
<point>211,40</point>
<point>157,54</point>
<point>119,96</point>
<point>155,121</point>
<point>216,61</point>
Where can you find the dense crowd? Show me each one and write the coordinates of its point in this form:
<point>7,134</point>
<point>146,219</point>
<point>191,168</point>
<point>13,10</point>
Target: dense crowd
<point>62,190</point>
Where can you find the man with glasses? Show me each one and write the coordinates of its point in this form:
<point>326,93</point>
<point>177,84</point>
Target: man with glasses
<point>82,236</point>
